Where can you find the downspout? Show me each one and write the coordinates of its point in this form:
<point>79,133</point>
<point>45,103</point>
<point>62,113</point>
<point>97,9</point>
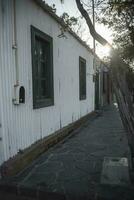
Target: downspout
<point>15,47</point>
<point>16,97</point>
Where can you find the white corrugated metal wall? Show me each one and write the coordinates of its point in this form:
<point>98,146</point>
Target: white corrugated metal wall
<point>24,125</point>
<point>1,99</point>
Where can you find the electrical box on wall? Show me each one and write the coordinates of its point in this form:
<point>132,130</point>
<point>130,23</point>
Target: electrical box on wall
<point>19,95</point>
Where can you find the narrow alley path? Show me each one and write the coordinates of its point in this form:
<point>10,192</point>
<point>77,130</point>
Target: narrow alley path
<point>73,167</point>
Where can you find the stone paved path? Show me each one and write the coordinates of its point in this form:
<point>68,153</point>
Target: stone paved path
<point>73,167</point>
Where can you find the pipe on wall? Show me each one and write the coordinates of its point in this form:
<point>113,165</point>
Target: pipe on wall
<point>15,47</point>
<point>16,99</point>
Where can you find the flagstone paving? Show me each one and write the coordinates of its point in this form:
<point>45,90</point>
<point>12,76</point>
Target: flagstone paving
<point>73,167</point>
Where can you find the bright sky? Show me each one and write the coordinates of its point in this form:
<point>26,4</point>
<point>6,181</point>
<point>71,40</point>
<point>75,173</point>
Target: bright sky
<point>70,7</point>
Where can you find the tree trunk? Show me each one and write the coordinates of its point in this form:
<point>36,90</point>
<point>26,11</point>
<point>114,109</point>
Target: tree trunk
<point>94,34</point>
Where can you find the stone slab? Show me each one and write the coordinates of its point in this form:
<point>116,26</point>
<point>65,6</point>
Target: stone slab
<point>115,171</point>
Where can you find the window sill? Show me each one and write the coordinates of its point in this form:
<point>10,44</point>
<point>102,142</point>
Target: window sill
<point>43,104</point>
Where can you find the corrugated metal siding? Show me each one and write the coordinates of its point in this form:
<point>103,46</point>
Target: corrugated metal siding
<point>7,79</point>
<point>23,125</point>
<point>1,97</point>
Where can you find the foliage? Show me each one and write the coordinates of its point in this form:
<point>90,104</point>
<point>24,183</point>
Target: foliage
<point>69,21</point>
<point>119,17</point>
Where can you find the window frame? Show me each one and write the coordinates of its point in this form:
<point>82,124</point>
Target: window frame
<point>42,36</point>
<point>81,96</point>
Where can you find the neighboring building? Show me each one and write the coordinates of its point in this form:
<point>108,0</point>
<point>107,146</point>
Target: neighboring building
<point>46,82</point>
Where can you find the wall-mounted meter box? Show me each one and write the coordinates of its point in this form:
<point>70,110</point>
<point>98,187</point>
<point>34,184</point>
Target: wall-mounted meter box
<point>19,95</point>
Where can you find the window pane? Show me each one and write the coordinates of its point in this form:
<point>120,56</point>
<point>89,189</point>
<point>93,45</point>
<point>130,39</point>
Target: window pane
<point>36,57</point>
<point>43,70</point>
<point>36,88</point>
<point>43,89</point>
<point>45,48</point>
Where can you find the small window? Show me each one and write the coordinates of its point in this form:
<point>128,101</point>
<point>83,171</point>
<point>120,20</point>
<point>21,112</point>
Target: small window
<point>42,67</point>
<point>82,78</point>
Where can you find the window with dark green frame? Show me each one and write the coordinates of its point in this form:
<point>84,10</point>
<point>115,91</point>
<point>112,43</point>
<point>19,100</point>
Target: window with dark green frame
<point>42,68</point>
<point>82,78</point>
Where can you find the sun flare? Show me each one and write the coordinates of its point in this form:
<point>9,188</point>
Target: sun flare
<point>103,51</point>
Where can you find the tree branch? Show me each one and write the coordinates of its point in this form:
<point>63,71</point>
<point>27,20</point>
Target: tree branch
<point>92,30</point>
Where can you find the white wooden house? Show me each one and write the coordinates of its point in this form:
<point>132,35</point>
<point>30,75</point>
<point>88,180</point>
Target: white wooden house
<point>46,82</point>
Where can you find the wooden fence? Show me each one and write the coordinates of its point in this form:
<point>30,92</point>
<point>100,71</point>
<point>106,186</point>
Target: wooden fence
<point>118,72</point>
